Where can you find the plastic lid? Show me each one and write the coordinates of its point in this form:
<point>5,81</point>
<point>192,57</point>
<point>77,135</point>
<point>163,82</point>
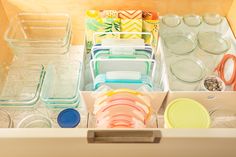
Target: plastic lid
<point>188,70</point>
<point>186,113</point>
<point>68,118</point>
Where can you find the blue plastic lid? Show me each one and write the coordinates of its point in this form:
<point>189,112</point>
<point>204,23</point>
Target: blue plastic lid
<point>68,118</point>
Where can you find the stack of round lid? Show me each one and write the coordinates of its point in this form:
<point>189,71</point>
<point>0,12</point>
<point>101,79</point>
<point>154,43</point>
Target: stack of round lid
<point>122,108</point>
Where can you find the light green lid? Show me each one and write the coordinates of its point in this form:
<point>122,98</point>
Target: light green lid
<point>186,113</point>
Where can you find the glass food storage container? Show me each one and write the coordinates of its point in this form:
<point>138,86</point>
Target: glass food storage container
<point>61,85</point>
<point>21,86</point>
<point>35,121</point>
<point>39,33</point>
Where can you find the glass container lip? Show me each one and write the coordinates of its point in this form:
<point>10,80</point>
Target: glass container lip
<point>65,48</point>
<point>11,26</point>
<point>198,62</point>
<point>172,16</point>
<point>189,35</point>
<point>215,15</point>
<point>45,118</point>
<point>195,16</point>
<point>26,102</point>
<point>11,123</point>
<point>209,51</point>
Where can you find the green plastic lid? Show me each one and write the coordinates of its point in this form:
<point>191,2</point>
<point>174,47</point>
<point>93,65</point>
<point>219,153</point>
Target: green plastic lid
<point>186,113</point>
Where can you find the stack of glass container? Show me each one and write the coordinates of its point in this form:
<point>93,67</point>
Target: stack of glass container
<point>42,33</point>
<point>41,42</point>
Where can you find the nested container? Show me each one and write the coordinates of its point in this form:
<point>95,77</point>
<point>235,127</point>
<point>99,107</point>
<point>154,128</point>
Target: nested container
<point>21,85</point>
<point>61,85</point>
<point>39,33</point>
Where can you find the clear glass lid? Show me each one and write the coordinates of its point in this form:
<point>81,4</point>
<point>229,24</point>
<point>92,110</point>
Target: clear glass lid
<point>171,20</point>
<point>192,20</point>
<point>179,42</point>
<point>188,70</point>
<point>212,18</point>
<point>213,42</point>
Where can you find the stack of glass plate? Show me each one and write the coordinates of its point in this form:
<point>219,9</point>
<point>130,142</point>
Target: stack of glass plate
<point>39,33</point>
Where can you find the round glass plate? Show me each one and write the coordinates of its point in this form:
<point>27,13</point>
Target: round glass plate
<point>188,70</point>
<point>171,20</point>
<point>212,18</point>
<point>180,43</point>
<point>213,42</point>
<point>192,20</point>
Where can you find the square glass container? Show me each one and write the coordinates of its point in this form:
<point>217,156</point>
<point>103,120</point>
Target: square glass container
<point>21,85</point>
<point>61,85</point>
<point>39,33</point>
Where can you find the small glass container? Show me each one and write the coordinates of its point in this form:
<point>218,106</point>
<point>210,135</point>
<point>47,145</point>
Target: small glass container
<point>189,70</point>
<point>35,121</point>
<point>192,20</point>
<point>180,42</point>
<point>61,85</point>
<point>5,120</point>
<point>39,33</point>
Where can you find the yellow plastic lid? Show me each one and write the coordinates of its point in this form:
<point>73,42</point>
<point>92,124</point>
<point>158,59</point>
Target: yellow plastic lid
<point>186,113</point>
